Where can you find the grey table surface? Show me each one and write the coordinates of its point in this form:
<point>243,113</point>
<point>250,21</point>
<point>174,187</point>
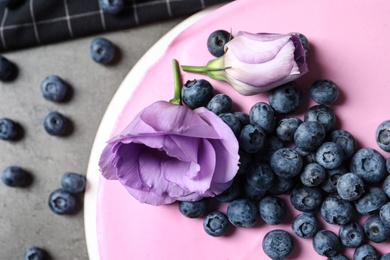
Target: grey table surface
<point>25,217</point>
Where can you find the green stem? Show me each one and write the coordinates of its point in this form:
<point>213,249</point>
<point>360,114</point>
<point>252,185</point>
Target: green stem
<point>215,69</point>
<point>176,83</point>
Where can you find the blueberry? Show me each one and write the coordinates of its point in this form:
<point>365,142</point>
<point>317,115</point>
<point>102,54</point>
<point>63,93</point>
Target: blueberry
<point>56,124</point>
<point>278,244</point>
<point>306,199</point>
<point>369,164</point>
<point>232,122</point>
<point>324,92</point>
<point>233,192</point>
<point>242,117</point>
<point>216,42</point>
<point>382,135</point>
<point>272,210</point>
<point>260,176</point>
<point>351,234</point>
<point>384,214</point>
<point>253,194</point>
<point>323,115</point>
<point>220,103</point>
<point>243,213</point>
<point>335,210</point>
<point>193,209</point>
<point>388,164</point>
<point>263,115</point>
<point>330,183</point>
<point>338,257</point>
<point>309,136</point>
<point>386,186</point>
<point>350,186</point>
<point>305,43</point>
<point>251,139</point>
<point>272,144</point>
<point>197,93</point>
<point>286,98</point>
<point>9,129</point>
<point>386,256</point>
<point>326,243</point>
<point>8,70</point>
<point>286,163</point>
<point>35,253</point>
<point>216,223</point>
<point>365,251</point>
<point>62,202</point>
<point>305,225</point>
<point>376,230</point>
<point>370,201</point>
<point>53,88</point>
<point>73,182</point>
<point>313,175</point>
<point>15,176</point>
<point>329,155</point>
<point>345,140</point>
<point>286,128</point>
<point>112,7</point>
<point>282,185</point>
<point>102,50</point>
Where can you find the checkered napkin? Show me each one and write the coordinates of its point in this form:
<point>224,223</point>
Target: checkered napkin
<point>38,22</point>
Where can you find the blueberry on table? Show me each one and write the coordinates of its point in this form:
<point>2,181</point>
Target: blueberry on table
<point>216,223</point>
<point>15,176</point>
<point>350,186</point>
<point>243,213</point>
<point>329,185</point>
<point>62,202</point>
<point>305,43</point>
<point>313,175</point>
<point>351,234</point>
<point>102,51</point>
<point>371,200</point>
<point>335,210</point>
<point>197,93</point>
<point>286,98</point>
<point>345,140</point>
<point>369,164</point>
<point>366,251</point>
<point>322,114</point>
<point>263,115</point>
<point>251,139</point>
<point>309,136</point>
<point>382,135</point>
<point>272,210</point>
<point>53,88</point>
<point>305,225</point>
<point>278,244</point>
<point>57,124</point>
<point>326,243</point>
<point>9,130</point>
<point>73,182</point>
<point>329,155</point>
<point>35,253</point>
<point>8,70</point>
<point>216,42</point>
<point>286,163</point>
<point>286,128</point>
<point>112,7</point>
<point>220,103</point>
<point>193,209</point>
<point>376,230</point>
<point>306,199</point>
<point>324,92</point>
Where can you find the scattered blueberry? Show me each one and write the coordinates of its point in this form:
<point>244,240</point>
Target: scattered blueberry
<point>385,256</point>
<point>330,183</point>
<point>251,139</point>
<point>313,175</point>
<point>73,182</point>
<point>335,210</point>
<point>53,88</point>
<point>376,230</point>
<point>272,144</point>
<point>243,213</point>
<point>369,164</point>
<point>286,98</point>
<point>216,42</point>
<point>286,163</point>
<point>338,257</point>
<point>8,70</point>
<point>370,201</point>
<point>382,135</point>
<point>263,115</point>
<point>56,124</point>
<point>278,244</point>
<point>232,122</point>
<point>351,234</point>
<point>329,155</point>
<point>286,128</point>
<point>242,117</point>
<point>350,186</point>
<point>272,210</point>
<point>260,176</point>
<point>216,223</point>
<point>309,136</point>
<point>193,209</point>
<point>220,103</point>
<point>305,225</point>
<point>112,7</point>
<point>306,199</point>
<point>233,192</point>
<point>282,185</point>
<point>322,114</point>
<point>9,129</point>
<point>384,214</point>
<point>62,202</point>
<point>15,176</point>
<point>102,50</point>
<point>386,186</point>
<point>365,251</point>
<point>35,253</point>
<point>197,93</point>
<point>324,92</point>
<point>253,194</point>
<point>305,43</point>
<point>345,140</point>
<point>326,243</point>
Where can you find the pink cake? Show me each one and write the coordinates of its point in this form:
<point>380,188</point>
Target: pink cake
<point>349,44</point>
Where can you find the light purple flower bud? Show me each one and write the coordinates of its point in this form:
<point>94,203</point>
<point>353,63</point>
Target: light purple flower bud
<point>181,154</point>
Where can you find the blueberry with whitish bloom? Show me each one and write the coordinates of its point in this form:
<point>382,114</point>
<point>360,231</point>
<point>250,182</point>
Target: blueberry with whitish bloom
<point>371,200</point>
<point>282,185</point>
<point>35,253</point>
<point>376,231</point>
<point>286,98</point>
<point>15,176</point>
<point>216,223</point>
<point>305,225</point>
<point>350,186</point>
<point>252,139</point>
<point>322,114</point>
<point>197,93</point>
<point>351,234</point>
<point>73,182</point>
<point>242,117</point>
<point>335,210</point>
<point>332,176</point>
<point>278,58</point>
<point>220,103</point>
<point>324,92</point>
<point>216,42</point>
<point>286,128</point>
<point>193,209</point>
<point>338,257</point>
<point>366,251</point>
<point>260,176</point>
<point>232,122</point>
<point>278,244</point>
<point>345,140</point>
<point>326,243</point>
<point>272,210</point>
<point>54,88</point>
<point>313,175</point>
<point>62,202</point>
<point>382,135</point>
<point>306,199</point>
<point>10,130</point>
<point>309,136</point>
<point>252,193</point>
<point>102,51</point>
<point>384,214</point>
<point>233,192</point>
<point>286,163</point>
<point>369,164</point>
<point>243,213</point>
<point>57,124</point>
<point>329,155</point>
<point>262,114</point>
<point>386,186</point>
<point>386,256</point>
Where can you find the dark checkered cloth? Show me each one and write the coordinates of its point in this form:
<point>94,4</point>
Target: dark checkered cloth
<point>37,22</point>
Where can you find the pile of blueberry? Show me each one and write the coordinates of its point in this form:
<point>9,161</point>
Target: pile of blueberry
<point>319,168</point>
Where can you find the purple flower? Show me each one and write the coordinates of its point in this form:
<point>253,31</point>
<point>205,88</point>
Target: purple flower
<point>255,63</point>
<point>181,154</point>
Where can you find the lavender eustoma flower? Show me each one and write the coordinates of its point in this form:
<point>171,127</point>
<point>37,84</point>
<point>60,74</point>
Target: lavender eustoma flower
<point>181,154</point>
<point>255,63</point>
